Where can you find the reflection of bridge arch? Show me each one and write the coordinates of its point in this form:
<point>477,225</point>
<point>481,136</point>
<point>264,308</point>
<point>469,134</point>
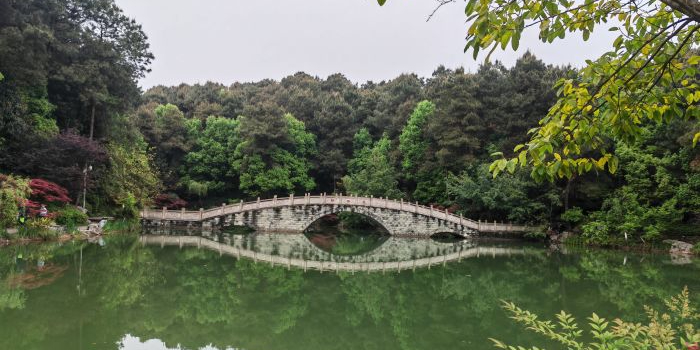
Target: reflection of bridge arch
<point>294,214</point>
<point>325,264</point>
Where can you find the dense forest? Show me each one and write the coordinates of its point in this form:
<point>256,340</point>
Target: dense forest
<point>72,114</point>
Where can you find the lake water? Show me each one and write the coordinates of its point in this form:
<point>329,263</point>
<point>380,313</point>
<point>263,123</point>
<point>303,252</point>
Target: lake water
<point>314,291</point>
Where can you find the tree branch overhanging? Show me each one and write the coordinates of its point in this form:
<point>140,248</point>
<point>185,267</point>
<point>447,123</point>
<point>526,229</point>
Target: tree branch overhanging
<point>690,8</point>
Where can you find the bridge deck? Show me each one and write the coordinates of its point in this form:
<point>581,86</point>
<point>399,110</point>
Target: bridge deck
<point>381,203</point>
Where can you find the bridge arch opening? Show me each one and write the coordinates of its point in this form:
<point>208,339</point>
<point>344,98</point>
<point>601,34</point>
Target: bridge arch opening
<point>347,217</point>
<point>447,237</point>
<point>346,233</point>
<point>346,221</point>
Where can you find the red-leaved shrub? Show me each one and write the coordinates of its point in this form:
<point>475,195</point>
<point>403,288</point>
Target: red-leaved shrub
<point>46,192</point>
<point>33,209</point>
<point>170,201</point>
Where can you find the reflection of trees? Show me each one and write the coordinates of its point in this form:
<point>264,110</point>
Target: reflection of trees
<point>122,273</point>
<point>11,297</point>
<point>19,270</point>
<point>195,298</point>
<point>220,301</point>
<point>47,293</point>
<point>457,301</point>
<point>348,242</point>
<point>627,281</point>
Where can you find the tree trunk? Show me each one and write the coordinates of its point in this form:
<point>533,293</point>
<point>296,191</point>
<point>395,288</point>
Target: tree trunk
<point>92,121</point>
<point>566,194</point>
<point>690,8</point>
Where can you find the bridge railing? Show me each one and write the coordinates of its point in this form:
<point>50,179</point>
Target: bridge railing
<point>200,215</point>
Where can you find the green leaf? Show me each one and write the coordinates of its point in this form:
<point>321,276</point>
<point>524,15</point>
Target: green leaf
<point>470,6</point>
<point>381,2</point>
<point>522,158</point>
<point>696,139</point>
<point>693,60</point>
<point>515,41</point>
<point>612,164</point>
<point>505,38</point>
<point>502,163</point>
<point>511,165</point>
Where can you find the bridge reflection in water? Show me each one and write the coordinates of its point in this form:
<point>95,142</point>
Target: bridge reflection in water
<point>296,251</point>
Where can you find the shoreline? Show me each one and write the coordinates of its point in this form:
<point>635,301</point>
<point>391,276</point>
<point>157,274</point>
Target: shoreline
<point>66,237</point>
<point>60,235</point>
<point>654,248</point>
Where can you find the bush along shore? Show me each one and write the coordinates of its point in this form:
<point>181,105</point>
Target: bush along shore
<point>675,247</point>
<point>38,231</point>
<point>36,210</point>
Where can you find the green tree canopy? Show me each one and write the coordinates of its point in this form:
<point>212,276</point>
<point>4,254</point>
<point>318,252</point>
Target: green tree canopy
<point>649,75</point>
<point>131,178</point>
<point>412,144</point>
<point>213,156</point>
<point>282,164</point>
<point>371,170</point>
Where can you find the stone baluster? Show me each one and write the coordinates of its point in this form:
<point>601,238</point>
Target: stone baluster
<point>431,210</point>
<point>163,215</point>
<point>401,205</point>
<point>274,200</point>
<point>182,213</point>
<point>240,206</point>
<point>201,214</point>
<point>258,203</point>
<point>223,207</point>
<point>291,199</point>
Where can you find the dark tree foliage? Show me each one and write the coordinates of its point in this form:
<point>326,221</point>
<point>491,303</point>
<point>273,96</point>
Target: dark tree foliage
<point>82,56</point>
<point>169,200</point>
<point>61,160</point>
<point>68,93</point>
<point>67,65</point>
<point>474,114</point>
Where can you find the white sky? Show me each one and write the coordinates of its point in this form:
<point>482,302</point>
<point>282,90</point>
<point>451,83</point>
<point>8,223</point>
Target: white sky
<point>195,41</point>
<point>129,342</point>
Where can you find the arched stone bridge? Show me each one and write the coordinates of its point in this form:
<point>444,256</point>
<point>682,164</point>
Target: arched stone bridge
<point>296,214</point>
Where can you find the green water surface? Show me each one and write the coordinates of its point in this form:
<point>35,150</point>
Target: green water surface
<point>120,294</point>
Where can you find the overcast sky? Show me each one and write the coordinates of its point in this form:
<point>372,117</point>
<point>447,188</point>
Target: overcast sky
<point>248,40</point>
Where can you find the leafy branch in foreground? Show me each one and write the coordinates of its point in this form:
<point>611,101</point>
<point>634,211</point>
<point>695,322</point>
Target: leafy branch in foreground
<point>650,75</point>
<point>675,330</point>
